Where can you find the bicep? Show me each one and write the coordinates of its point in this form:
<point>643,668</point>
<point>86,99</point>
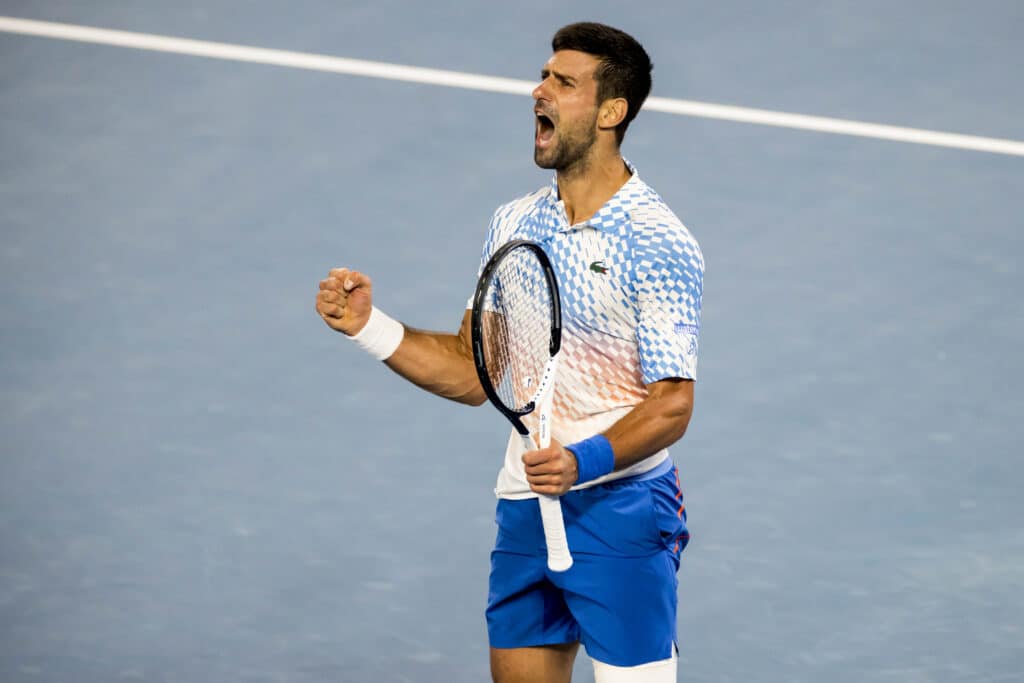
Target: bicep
<point>674,394</point>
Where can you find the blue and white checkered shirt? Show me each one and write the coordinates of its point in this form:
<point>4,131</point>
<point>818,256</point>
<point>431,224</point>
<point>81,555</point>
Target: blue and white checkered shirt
<point>630,278</point>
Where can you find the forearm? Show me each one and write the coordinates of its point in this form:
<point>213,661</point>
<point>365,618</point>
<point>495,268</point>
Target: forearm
<point>655,423</point>
<point>440,363</point>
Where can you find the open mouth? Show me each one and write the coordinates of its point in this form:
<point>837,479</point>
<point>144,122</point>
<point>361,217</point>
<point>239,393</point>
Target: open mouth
<point>545,130</point>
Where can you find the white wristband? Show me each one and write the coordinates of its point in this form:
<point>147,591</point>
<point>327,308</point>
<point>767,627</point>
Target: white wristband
<point>380,336</point>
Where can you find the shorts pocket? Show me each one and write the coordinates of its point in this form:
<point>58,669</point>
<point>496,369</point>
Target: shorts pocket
<point>613,520</point>
<point>669,518</point>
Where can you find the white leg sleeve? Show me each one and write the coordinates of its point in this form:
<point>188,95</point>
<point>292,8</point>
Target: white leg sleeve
<point>662,671</point>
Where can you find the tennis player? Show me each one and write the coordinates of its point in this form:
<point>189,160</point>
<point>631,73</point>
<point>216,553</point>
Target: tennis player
<point>631,278</point>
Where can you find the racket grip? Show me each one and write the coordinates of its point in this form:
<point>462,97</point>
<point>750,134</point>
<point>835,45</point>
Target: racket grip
<point>559,558</point>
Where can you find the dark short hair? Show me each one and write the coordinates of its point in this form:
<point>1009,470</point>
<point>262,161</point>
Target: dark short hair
<point>624,69</point>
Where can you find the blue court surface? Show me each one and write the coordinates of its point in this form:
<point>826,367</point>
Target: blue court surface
<point>200,482</point>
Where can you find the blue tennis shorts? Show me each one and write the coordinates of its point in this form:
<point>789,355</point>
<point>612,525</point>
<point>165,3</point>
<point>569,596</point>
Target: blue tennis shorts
<point>619,597</point>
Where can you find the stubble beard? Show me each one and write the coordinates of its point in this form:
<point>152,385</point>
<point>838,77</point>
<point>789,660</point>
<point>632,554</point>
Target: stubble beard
<point>571,153</point>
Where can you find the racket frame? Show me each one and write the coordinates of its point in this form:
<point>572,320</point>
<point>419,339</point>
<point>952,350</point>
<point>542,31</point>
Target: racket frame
<point>477,328</point>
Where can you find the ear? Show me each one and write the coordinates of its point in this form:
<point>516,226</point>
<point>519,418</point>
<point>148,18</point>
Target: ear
<point>612,113</point>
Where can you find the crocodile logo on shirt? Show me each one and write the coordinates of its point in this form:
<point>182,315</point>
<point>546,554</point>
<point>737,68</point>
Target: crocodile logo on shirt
<point>599,267</point>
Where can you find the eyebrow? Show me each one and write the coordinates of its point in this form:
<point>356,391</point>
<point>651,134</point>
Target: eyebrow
<point>544,73</point>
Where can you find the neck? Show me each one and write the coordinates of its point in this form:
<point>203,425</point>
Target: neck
<point>587,185</point>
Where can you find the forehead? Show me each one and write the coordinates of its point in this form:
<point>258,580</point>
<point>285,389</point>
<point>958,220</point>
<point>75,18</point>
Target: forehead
<point>579,65</point>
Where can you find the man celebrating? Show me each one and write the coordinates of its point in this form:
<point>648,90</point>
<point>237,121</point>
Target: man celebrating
<point>631,277</point>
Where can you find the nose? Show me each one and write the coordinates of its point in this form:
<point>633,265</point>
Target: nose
<point>540,92</point>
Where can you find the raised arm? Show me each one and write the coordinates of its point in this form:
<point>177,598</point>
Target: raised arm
<point>439,362</point>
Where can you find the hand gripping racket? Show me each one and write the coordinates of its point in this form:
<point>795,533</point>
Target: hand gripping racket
<point>517,333</point>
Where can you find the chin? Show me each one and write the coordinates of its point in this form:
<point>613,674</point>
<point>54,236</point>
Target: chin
<point>543,162</point>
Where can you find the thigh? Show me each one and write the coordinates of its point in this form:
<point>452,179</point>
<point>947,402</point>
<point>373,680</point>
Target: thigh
<point>625,607</point>
<point>540,664</point>
<point>622,588</point>
<point>524,609</point>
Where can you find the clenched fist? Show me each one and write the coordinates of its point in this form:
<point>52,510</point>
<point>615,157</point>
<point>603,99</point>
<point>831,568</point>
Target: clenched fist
<point>345,300</point>
<point>552,470</point>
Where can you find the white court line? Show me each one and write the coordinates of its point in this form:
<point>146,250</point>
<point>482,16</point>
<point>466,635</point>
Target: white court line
<point>456,79</point>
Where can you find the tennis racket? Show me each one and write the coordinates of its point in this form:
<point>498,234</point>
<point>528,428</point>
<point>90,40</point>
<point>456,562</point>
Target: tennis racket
<point>517,333</point>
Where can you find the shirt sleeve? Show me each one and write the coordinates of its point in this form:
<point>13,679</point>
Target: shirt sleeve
<point>670,272</point>
<point>486,253</point>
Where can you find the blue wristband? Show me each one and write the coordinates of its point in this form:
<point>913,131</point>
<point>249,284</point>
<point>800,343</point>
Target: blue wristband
<point>594,457</point>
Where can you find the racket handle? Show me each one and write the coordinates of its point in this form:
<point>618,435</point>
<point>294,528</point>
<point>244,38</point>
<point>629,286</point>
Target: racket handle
<point>559,558</point>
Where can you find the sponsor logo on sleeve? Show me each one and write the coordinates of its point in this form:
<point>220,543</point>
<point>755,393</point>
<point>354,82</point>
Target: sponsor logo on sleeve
<point>688,331</point>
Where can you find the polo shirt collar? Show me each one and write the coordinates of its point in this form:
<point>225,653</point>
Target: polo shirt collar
<point>609,217</point>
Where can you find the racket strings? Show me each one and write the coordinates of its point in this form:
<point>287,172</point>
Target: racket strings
<point>517,328</point>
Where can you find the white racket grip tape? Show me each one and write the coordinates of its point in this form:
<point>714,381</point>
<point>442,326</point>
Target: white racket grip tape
<point>559,558</point>
<point>380,336</point>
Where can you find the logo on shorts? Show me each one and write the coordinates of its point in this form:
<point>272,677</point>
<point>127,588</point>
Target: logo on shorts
<point>599,267</point>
